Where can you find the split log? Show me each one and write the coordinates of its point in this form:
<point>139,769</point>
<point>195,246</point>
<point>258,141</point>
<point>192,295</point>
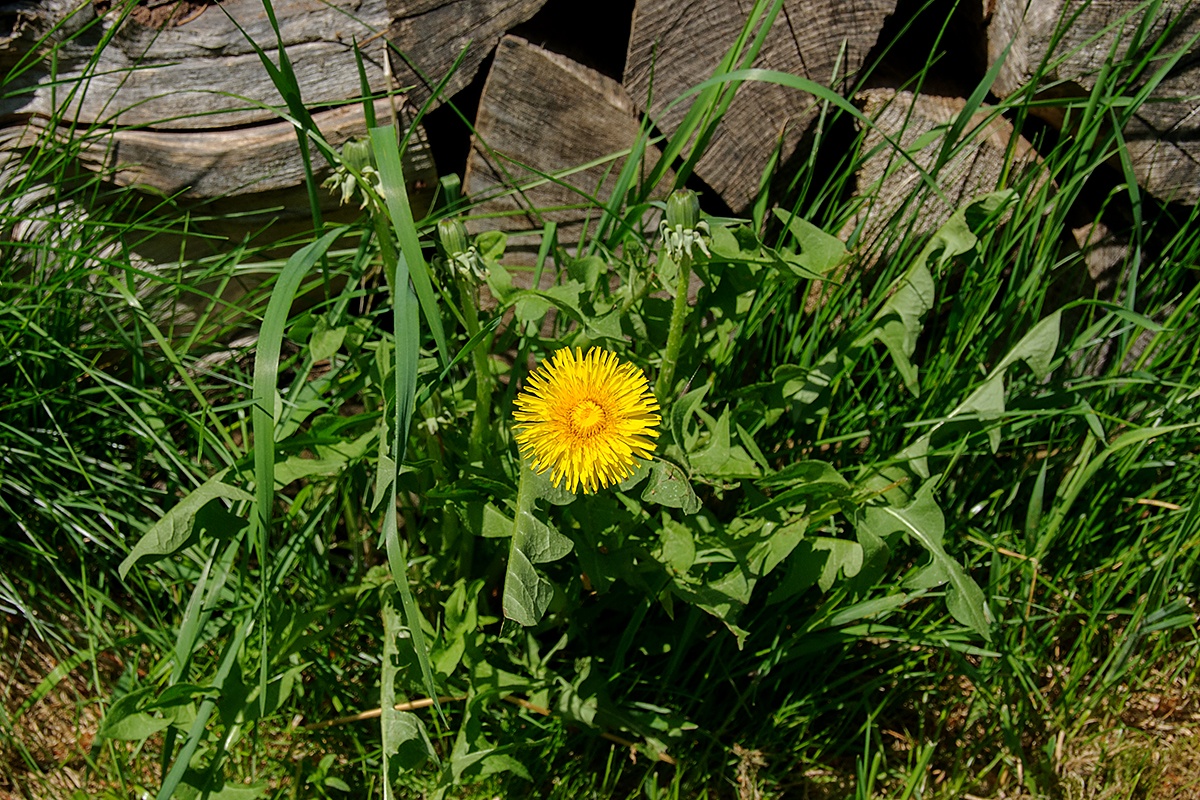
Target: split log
<point>675,46</point>
<point>158,106</point>
<point>991,156</point>
<point>1163,137</point>
<point>208,66</point>
<point>226,162</point>
<point>542,113</point>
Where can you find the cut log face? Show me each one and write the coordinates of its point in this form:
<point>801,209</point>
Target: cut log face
<point>541,112</point>
<point>227,163</point>
<point>1163,138</point>
<point>207,66</point>
<point>891,182</point>
<point>674,46</point>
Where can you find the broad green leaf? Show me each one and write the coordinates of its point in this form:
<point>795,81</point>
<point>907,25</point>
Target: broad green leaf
<point>922,521</point>
<point>678,547</point>
<point>493,524</point>
<point>986,402</point>
<point>325,341</point>
<point>681,415</point>
<point>202,785</point>
<point>177,526</point>
<point>669,486</point>
<point>410,743</point>
<point>820,252</point>
<point>527,594</point>
<point>331,459</point>
<point>720,458</point>
<point>898,321</point>
<point>478,764</point>
<point>640,472</point>
<point>539,541</point>
<point>587,270</point>
<point>543,488</point>
<point>405,743</point>
<point>126,720</point>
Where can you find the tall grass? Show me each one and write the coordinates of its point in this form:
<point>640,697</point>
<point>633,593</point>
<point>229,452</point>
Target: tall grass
<point>280,542</point>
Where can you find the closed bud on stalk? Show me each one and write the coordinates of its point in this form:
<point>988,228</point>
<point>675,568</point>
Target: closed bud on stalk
<point>683,231</point>
<point>356,154</point>
<point>355,163</point>
<point>459,256</point>
<point>453,237</point>
<point>683,209</point>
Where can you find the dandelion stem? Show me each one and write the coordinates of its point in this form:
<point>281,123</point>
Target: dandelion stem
<point>666,375</point>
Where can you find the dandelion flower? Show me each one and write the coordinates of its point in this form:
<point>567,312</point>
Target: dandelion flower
<point>587,418</point>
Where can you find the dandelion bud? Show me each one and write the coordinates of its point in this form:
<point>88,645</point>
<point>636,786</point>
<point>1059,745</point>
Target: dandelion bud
<point>683,209</point>
<point>453,237</point>
<point>356,154</point>
<point>683,231</point>
<point>459,257</point>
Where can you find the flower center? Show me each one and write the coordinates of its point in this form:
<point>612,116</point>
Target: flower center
<point>587,416</point>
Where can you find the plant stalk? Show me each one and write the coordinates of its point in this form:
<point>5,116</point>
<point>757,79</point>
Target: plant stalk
<point>666,375</point>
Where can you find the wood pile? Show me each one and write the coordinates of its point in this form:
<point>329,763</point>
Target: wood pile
<point>174,96</point>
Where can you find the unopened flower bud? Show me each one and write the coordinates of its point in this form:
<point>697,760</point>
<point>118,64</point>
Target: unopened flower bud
<point>683,209</point>
<point>453,237</point>
<point>356,154</point>
<point>683,231</point>
<point>458,255</point>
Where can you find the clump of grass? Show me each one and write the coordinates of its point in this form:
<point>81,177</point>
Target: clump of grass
<point>336,520</point>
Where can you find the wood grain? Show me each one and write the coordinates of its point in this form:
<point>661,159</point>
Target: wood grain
<point>893,185</point>
<point>1163,137</point>
<point>541,112</point>
<point>674,46</point>
<point>206,73</point>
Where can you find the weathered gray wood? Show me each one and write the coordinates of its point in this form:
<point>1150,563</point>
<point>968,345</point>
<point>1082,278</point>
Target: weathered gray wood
<point>541,112</point>
<point>225,163</point>
<point>165,78</point>
<point>892,184</point>
<point>674,46</point>
<point>1164,136</point>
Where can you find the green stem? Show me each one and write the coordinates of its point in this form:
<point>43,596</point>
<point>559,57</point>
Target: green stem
<point>484,383</point>
<point>666,375</point>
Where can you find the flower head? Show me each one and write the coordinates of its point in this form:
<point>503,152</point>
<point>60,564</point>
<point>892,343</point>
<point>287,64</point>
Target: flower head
<point>587,418</point>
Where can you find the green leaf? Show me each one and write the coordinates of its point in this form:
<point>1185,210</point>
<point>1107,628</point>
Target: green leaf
<point>125,719</point>
<point>493,524</point>
<point>539,541</point>
<point>408,743</point>
<point>678,547</point>
<point>922,521</point>
<point>669,486</point>
<point>587,270</point>
<point>185,518</point>
<point>820,252</point>
<point>325,341</point>
<point>898,321</point>
<point>543,488</point>
<point>721,458</point>
<point>527,594</point>
<point>681,414</point>
<point>986,402</point>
